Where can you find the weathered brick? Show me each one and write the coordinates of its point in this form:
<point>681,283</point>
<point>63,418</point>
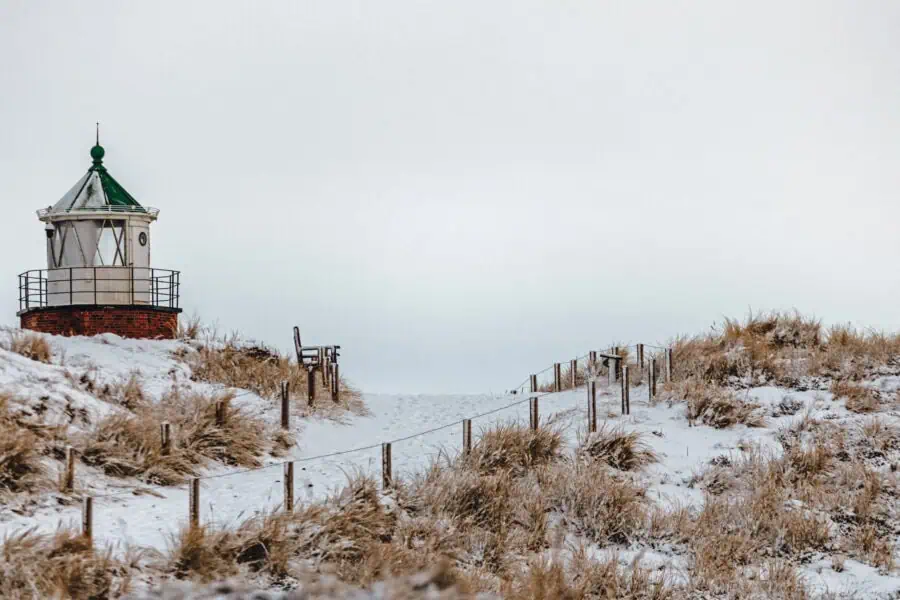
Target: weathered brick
<point>131,322</point>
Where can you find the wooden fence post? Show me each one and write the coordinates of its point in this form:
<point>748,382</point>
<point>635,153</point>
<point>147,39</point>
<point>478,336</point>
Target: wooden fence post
<point>557,377</point>
<point>573,367</point>
<point>626,392</point>
<point>592,406</point>
<point>69,477</point>
<point>311,384</point>
<point>87,519</point>
<point>668,365</point>
<point>533,380</point>
<point>592,362</point>
<point>165,431</point>
<point>220,413</point>
<point>467,436</point>
<point>289,486</point>
<point>194,500</point>
<point>534,418</point>
<point>285,405</point>
<point>640,356</point>
<point>322,365</point>
<point>651,376</point>
<point>335,384</point>
<point>386,469</point>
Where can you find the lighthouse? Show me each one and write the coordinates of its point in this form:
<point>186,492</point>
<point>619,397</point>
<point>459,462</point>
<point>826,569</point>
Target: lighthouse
<point>99,276</point>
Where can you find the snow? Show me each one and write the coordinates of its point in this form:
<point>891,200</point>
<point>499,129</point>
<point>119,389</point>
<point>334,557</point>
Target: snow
<point>149,519</point>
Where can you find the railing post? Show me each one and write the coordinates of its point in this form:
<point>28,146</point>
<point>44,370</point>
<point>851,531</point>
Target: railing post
<point>285,405</point>
<point>626,395</point>
<point>592,406</point>
<point>557,377</point>
<point>171,290</point>
<point>194,503</point>
<point>467,436</point>
<point>27,291</point>
<point>651,376</point>
<point>87,519</point>
<point>533,414</point>
<point>573,366</point>
<point>336,384</point>
<point>386,468</point>
<point>289,486</point>
<point>165,437</point>
<point>69,478</point>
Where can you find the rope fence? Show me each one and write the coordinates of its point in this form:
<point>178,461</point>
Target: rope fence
<point>594,363</point>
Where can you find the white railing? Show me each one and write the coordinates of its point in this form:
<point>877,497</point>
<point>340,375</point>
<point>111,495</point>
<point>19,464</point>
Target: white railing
<point>153,212</point>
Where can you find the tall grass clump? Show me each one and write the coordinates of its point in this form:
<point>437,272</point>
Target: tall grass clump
<point>130,445</point>
<point>60,565</point>
<point>781,348</point>
<point>620,449</point>
<point>262,370</point>
<point>21,447</point>
<point>30,345</point>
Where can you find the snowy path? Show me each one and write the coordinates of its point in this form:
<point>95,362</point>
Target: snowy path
<point>148,520</point>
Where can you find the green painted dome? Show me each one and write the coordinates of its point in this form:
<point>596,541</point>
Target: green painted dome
<point>97,153</point>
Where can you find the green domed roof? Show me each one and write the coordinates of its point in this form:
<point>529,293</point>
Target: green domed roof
<point>97,190</point>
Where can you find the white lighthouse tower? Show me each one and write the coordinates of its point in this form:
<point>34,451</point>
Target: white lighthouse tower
<point>99,276</point>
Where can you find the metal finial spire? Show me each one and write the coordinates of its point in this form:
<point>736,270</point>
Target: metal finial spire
<point>98,133</point>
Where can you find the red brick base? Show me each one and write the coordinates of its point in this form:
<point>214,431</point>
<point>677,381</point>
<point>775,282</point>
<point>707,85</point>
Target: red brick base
<point>126,321</point>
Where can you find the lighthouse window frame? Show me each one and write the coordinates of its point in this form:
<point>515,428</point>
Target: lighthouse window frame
<point>111,248</point>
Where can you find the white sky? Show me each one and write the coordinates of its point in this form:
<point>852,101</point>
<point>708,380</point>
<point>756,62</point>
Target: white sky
<point>461,192</point>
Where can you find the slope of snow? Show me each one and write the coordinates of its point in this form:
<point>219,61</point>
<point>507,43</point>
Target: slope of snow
<point>148,519</point>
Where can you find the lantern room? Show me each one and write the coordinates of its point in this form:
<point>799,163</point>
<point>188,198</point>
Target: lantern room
<point>99,277</point>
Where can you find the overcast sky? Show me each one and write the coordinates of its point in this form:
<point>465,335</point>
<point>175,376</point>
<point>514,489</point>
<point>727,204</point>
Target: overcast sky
<point>461,192</point>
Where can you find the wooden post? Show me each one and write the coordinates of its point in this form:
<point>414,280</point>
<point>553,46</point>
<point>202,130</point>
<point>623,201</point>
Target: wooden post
<point>69,477</point>
<point>288,486</point>
<point>651,376</point>
<point>387,478</point>
<point>573,367</point>
<point>592,362</point>
<point>87,518</point>
<point>322,365</point>
<point>220,413</point>
<point>194,500</point>
<point>533,415</point>
<point>285,405</point>
<point>668,365</point>
<point>311,384</point>
<point>557,377</point>
<point>467,436</point>
<point>165,432</point>
<point>626,392</point>
<point>533,380</point>
<point>640,356</point>
<point>336,384</point>
<point>613,370</point>
<point>592,406</point>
